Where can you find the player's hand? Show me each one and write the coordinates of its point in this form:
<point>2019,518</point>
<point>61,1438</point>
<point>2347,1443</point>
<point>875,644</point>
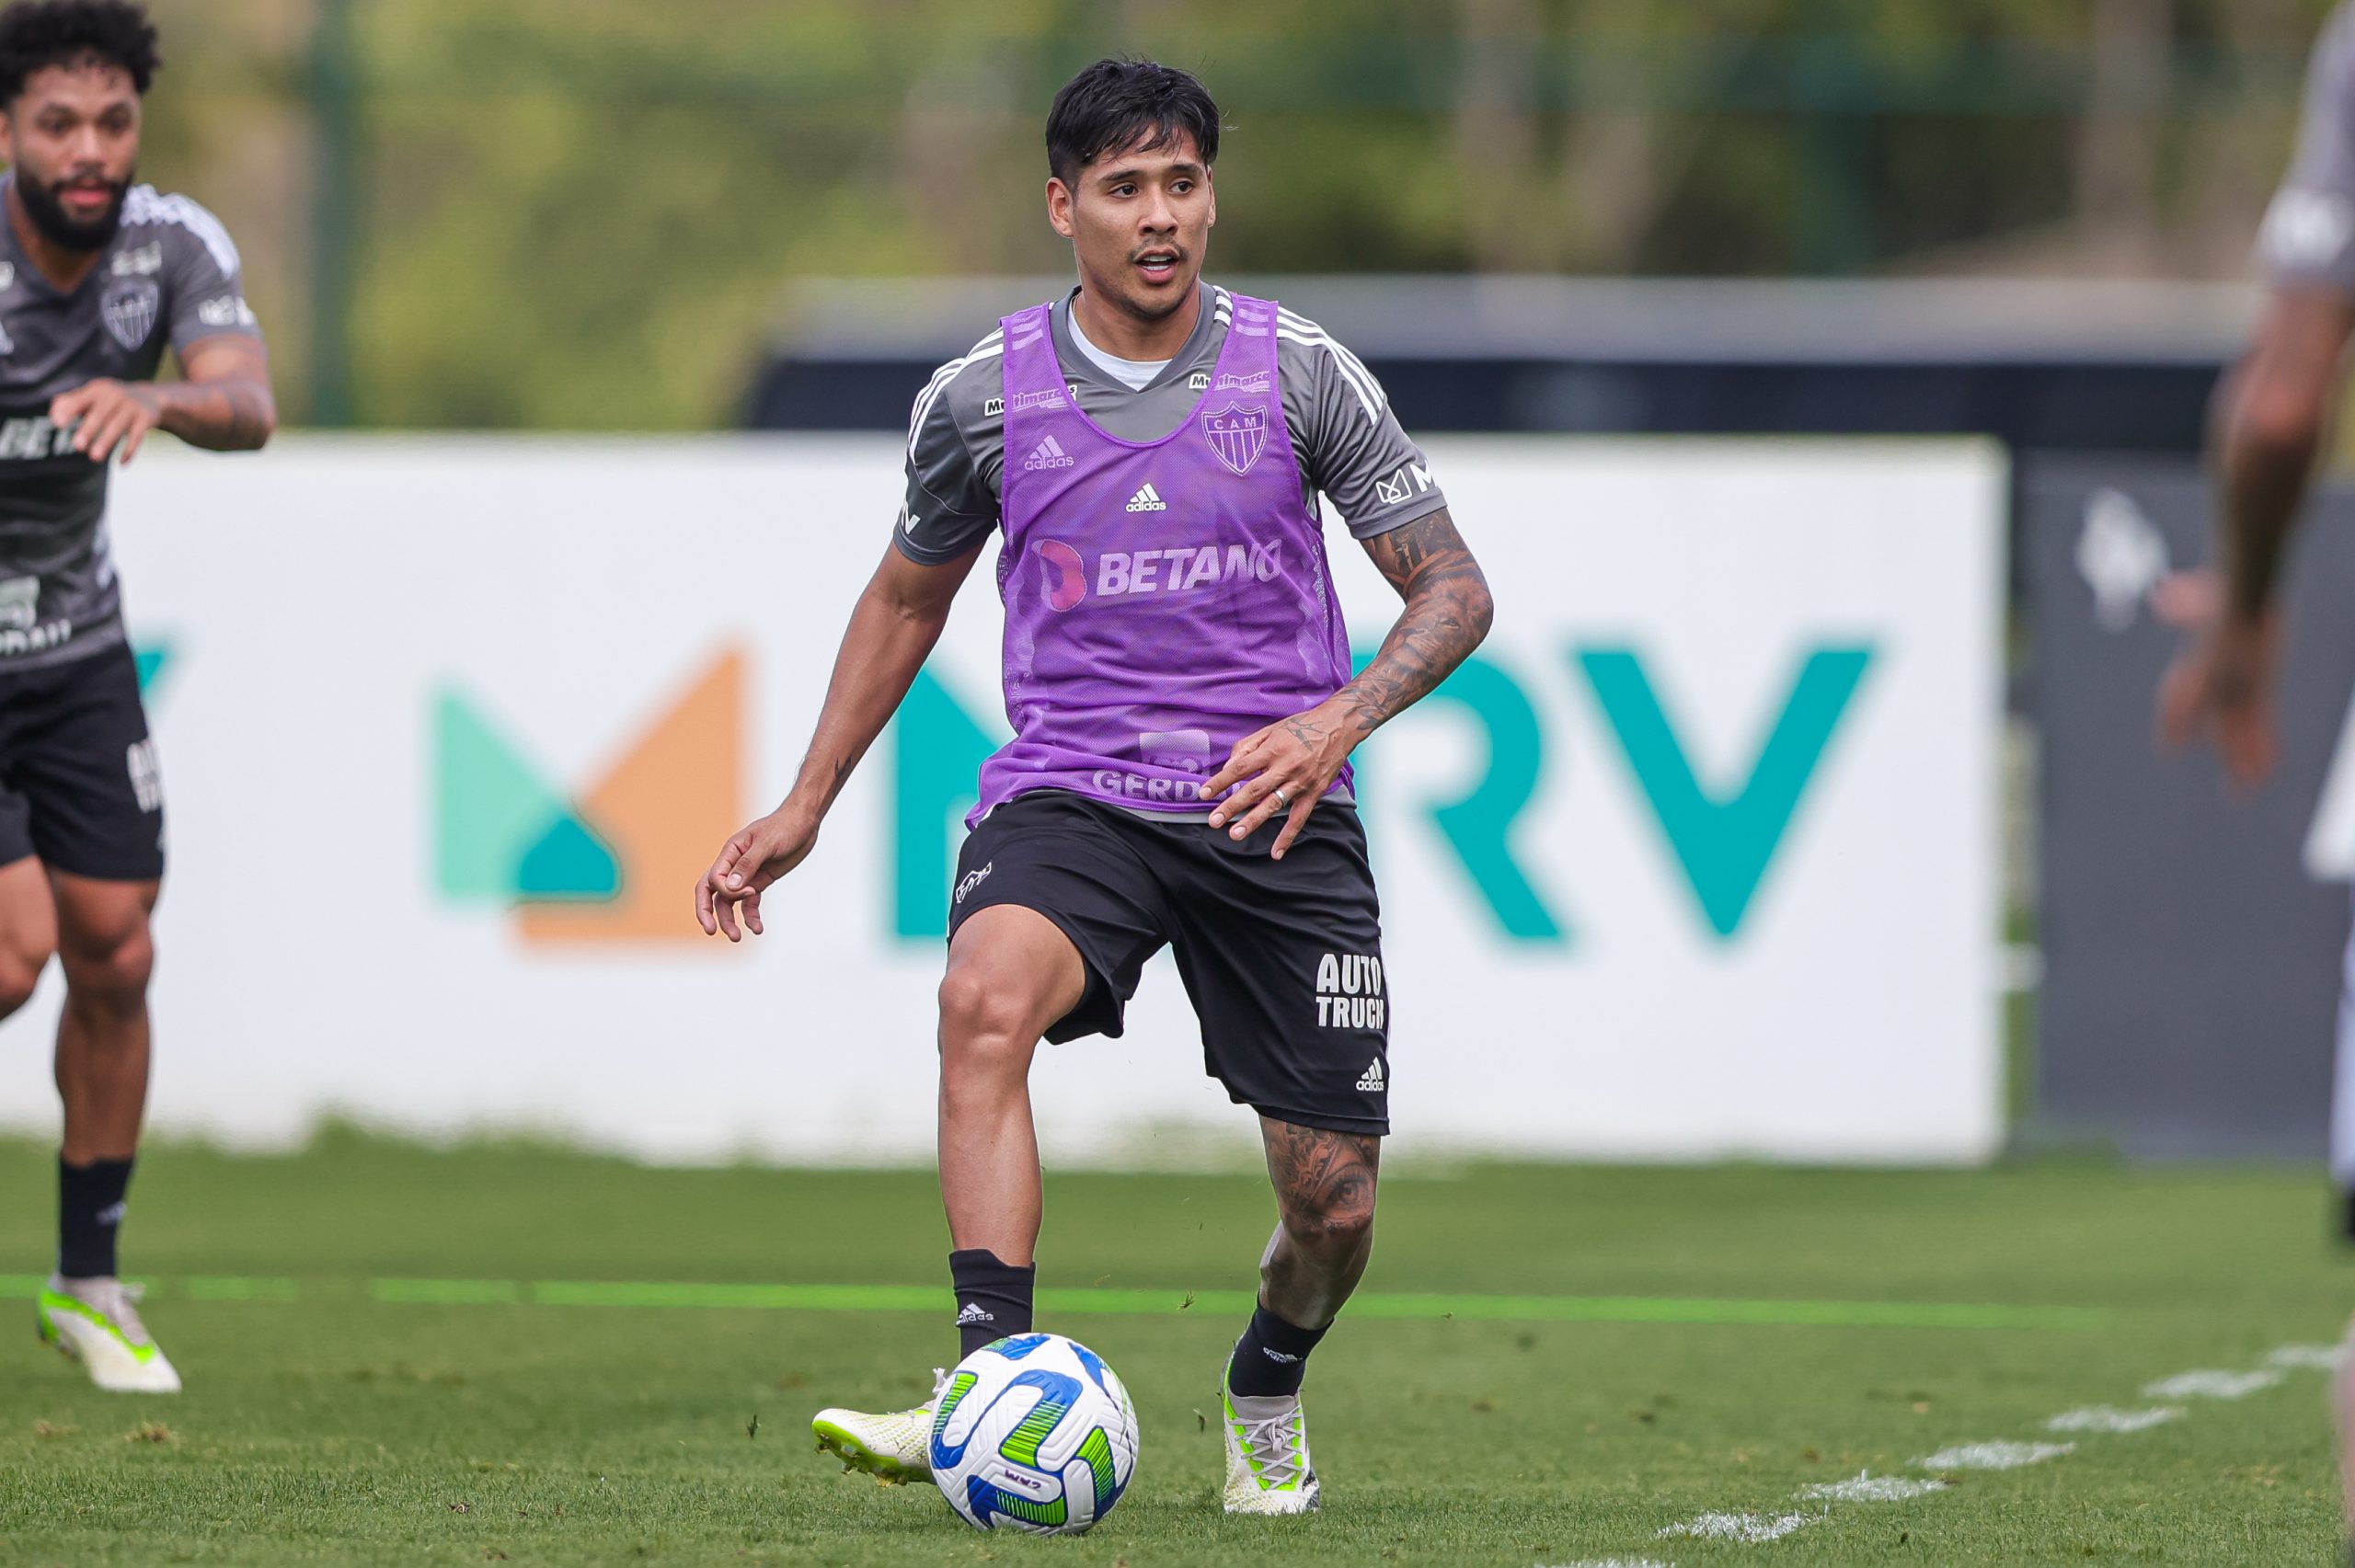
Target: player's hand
<point>105,414</point>
<point>2221,684</point>
<point>748,864</point>
<point>1287,768</point>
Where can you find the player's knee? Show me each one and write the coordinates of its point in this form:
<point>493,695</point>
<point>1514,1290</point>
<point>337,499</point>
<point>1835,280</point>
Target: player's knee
<point>20,972</point>
<point>982,1026</point>
<point>1338,1223</point>
<point>112,968</point>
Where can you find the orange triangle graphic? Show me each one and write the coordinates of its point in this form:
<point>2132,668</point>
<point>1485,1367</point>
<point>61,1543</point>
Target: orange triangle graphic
<point>664,809</point>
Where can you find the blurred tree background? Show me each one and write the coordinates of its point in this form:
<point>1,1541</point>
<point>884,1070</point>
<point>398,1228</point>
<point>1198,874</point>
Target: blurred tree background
<point>581,213</point>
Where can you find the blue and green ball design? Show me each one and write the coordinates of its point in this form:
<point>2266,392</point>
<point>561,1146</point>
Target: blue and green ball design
<point>1035,1432</point>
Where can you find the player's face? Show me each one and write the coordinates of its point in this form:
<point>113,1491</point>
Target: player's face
<point>1139,223</point>
<point>72,138</point>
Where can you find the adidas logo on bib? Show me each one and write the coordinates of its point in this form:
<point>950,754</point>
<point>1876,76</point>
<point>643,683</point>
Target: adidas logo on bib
<point>1369,1081</point>
<point>1047,453</point>
<point>1147,500</point>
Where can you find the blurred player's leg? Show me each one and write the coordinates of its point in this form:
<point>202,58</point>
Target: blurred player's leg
<point>1011,974</point>
<point>28,928</point>
<point>102,1043</point>
<point>1325,1195</point>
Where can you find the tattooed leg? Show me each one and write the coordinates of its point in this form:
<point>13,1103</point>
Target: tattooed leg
<point>1325,1183</point>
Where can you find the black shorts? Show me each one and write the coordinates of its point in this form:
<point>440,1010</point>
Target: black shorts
<point>1282,958</point>
<point>78,784</point>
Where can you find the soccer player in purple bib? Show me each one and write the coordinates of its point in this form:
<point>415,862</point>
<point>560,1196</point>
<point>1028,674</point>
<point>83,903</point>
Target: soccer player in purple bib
<point>1177,677</point>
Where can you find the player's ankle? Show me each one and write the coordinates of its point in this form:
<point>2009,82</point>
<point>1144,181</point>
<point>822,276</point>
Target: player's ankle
<point>1271,1358</point>
<point>992,1296</point>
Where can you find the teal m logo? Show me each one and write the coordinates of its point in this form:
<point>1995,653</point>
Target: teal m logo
<point>1722,835</point>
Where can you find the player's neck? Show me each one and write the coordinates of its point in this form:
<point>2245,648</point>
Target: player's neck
<point>1127,336</point>
<point>63,267</point>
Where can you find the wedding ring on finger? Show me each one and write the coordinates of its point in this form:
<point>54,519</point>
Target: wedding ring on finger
<point>1282,799</point>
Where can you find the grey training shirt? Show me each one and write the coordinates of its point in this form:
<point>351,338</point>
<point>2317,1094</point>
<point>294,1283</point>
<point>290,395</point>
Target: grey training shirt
<point>169,277</point>
<point>2309,235</point>
<point>1345,440</point>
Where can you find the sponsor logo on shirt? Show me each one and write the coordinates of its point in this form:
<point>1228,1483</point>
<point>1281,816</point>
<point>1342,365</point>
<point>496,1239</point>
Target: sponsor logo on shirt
<point>32,439</point>
<point>21,631</point>
<point>991,409</point>
<point>1183,568</point>
<point>1254,381</point>
<point>143,262</point>
<point>1199,382</point>
<point>1054,397</point>
<point>1411,480</point>
<point>1349,996</point>
<point>227,311</point>
<point>1047,453</point>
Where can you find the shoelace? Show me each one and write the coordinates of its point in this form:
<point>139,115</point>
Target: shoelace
<point>1271,1441</point>
<point>123,1311</point>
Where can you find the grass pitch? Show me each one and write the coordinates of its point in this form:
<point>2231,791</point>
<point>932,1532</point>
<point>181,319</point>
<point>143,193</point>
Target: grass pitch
<point>395,1356</point>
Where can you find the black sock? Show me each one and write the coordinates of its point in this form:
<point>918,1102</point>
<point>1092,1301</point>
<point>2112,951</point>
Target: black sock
<point>1271,1357</point>
<point>993,1298</point>
<point>89,1213</point>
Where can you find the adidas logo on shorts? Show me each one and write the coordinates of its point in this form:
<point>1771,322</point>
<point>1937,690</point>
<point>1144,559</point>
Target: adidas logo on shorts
<point>1047,453</point>
<point>1369,1081</point>
<point>1147,500</point>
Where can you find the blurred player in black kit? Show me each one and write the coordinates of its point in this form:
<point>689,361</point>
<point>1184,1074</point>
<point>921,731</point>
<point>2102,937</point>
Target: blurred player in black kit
<point>99,276</point>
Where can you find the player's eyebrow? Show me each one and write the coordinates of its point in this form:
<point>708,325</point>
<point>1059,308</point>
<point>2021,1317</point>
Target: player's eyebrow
<point>1187,171</point>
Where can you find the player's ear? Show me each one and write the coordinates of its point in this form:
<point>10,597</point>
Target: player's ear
<point>1059,200</point>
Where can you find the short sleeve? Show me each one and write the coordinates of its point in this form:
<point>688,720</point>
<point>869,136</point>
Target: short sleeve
<point>2309,234</point>
<point>949,507</point>
<point>203,275</point>
<point>1358,453</point>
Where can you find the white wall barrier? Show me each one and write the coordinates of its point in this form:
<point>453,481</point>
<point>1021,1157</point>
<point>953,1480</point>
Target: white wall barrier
<point>1696,859</point>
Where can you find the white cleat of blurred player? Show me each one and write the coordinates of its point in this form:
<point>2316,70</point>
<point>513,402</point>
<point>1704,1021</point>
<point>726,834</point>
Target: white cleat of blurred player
<point>1267,1455</point>
<point>894,1447</point>
<point>95,1321</point>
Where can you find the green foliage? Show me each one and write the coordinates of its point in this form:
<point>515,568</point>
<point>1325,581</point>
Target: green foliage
<point>581,213</point>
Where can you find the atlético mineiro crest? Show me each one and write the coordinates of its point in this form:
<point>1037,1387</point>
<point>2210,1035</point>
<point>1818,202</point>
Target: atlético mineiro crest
<point>129,309</point>
<point>1238,435</point>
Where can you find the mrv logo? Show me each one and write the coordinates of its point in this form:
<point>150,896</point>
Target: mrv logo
<point>1721,834</point>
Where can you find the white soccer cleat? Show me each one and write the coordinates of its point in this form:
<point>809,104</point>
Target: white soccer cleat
<point>894,1447</point>
<point>95,1321</point>
<point>1267,1455</point>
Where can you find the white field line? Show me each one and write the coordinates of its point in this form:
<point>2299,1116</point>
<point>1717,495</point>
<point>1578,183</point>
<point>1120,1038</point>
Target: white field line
<point>2108,1419</point>
<point>2211,1384</point>
<point>2308,1357</point>
<point>1751,1529</point>
<point>1759,1528</point>
<point>1993,1456</point>
<point>1611,1562</point>
<point>1868,1487</point>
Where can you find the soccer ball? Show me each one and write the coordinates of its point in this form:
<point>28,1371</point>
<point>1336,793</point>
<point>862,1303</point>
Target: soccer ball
<point>1034,1431</point>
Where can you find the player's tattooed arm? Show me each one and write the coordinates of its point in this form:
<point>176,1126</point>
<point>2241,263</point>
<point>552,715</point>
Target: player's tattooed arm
<point>1448,612</point>
<point>225,405</point>
<point>1287,767</point>
<point>1325,1187</point>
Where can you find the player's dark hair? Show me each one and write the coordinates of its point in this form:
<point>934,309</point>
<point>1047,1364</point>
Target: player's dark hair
<point>1118,106</point>
<point>37,34</point>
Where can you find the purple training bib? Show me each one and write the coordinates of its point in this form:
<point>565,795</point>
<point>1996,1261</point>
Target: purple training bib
<point>1163,598</point>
